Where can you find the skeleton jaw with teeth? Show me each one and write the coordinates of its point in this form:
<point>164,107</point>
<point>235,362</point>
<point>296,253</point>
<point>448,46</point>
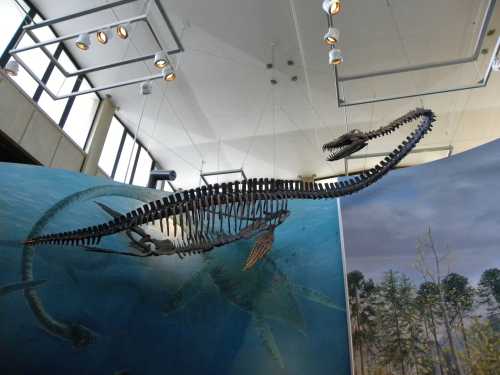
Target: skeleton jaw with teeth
<point>346,145</point>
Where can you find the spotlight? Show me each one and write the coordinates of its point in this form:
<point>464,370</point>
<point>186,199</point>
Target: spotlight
<point>12,68</point>
<point>332,7</point>
<point>122,31</point>
<point>83,42</point>
<point>495,66</point>
<point>332,36</point>
<point>146,88</point>
<point>168,74</point>
<point>104,36</point>
<point>335,56</point>
<point>161,59</point>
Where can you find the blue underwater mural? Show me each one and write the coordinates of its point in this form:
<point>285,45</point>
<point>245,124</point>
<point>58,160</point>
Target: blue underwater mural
<point>64,310</point>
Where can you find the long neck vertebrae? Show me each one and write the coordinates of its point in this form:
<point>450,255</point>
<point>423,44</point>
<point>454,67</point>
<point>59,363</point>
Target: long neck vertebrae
<point>203,209</point>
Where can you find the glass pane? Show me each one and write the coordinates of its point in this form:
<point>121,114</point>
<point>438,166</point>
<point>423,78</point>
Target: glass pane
<point>24,80</point>
<point>81,116</point>
<point>111,145</point>
<point>54,108</point>
<point>59,85</point>
<point>128,153</point>
<point>45,33</point>
<point>36,61</point>
<point>11,16</point>
<point>141,176</point>
<point>66,62</point>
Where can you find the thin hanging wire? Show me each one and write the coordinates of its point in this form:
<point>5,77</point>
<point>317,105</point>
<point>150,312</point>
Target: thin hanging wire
<point>346,163</point>
<point>135,134</point>
<point>313,146</point>
<point>257,128</point>
<point>403,46</point>
<point>275,118</point>
<point>454,104</point>
<point>218,157</point>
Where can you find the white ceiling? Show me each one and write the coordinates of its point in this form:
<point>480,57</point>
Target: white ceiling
<point>222,113</point>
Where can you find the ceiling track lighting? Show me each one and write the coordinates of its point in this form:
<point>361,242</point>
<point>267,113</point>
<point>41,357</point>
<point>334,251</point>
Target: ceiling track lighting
<point>332,7</point>
<point>168,73</point>
<point>104,36</point>
<point>335,56</point>
<point>83,42</point>
<point>122,30</point>
<point>161,59</point>
<point>12,68</point>
<point>332,36</point>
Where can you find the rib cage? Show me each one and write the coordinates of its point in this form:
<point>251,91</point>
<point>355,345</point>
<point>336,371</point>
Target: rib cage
<point>226,208</point>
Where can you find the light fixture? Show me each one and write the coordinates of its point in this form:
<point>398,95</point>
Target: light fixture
<point>335,56</point>
<point>146,88</point>
<point>496,65</point>
<point>12,68</point>
<point>332,36</point>
<point>161,59</point>
<point>83,42</point>
<point>168,73</point>
<point>332,7</point>
<point>104,36</point>
<point>122,31</point>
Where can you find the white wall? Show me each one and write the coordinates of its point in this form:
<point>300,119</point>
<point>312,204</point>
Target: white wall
<point>30,127</point>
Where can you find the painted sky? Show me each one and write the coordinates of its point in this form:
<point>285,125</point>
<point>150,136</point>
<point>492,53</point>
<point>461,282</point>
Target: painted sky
<point>458,197</point>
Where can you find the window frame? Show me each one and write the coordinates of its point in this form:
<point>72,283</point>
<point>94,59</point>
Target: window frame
<point>5,57</point>
<point>140,146</point>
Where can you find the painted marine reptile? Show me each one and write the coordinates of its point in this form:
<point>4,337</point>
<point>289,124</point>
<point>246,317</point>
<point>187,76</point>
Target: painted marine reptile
<point>205,215</point>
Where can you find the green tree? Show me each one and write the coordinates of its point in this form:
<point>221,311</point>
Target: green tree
<point>363,330</point>
<point>427,303</point>
<point>459,296</point>
<point>433,274</point>
<point>484,358</point>
<point>489,293</point>
<point>399,333</point>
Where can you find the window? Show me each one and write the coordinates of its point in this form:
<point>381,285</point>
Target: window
<point>143,168</point>
<point>79,121</point>
<point>122,158</point>
<point>111,146</point>
<point>37,62</point>
<point>127,160</point>
<point>45,33</point>
<point>81,116</point>
<point>12,18</point>
<point>58,84</point>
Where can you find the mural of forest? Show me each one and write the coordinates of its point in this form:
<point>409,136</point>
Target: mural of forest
<point>424,276</point>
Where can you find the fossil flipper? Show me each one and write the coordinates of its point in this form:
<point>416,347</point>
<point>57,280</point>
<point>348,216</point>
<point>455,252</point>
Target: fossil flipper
<point>267,338</point>
<point>262,247</point>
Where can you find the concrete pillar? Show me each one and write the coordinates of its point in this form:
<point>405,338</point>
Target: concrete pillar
<point>100,130</point>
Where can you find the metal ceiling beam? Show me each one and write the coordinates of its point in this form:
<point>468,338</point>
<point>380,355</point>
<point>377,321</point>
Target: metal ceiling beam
<point>477,50</point>
<point>83,92</point>
<point>82,13</point>
<point>42,46</point>
<point>482,83</point>
<point>75,35</point>
<point>416,151</point>
<point>218,173</point>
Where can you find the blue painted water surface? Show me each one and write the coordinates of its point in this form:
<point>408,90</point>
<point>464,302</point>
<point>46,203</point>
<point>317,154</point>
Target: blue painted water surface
<point>199,315</point>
